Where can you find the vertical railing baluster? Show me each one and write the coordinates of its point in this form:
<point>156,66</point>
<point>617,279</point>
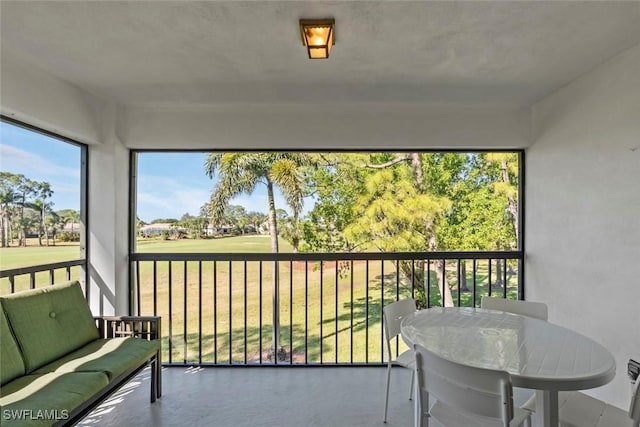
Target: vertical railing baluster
<point>475,302</point>
<point>68,273</point>
<point>444,281</point>
<point>459,273</point>
<point>138,294</point>
<point>306,311</point>
<point>230,314</point>
<point>51,277</point>
<point>291,312</point>
<point>12,284</point>
<point>215,312</point>
<point>260,311</point>
<point>504,276</point>
<point>200,311</point>
<point>428,285</point>
<point>32,280</point>
<point>155,288</point>
<point>336,312</point>
<point>184,328</point>
<point>351,328</point>
<point>321,304</point>
<point>366,312</point>
<point>381,305</point>
<point>170,313</point>
<point>397,299</point>
<point>245,312</point>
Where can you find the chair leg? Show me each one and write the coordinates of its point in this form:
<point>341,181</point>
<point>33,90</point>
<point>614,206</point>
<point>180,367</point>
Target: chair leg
<point>158,375</point>
<point>413,377</point>
<point>386,395</point>
<point>154,379</point>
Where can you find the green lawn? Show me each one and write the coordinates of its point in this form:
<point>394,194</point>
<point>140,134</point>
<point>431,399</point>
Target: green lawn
<point>341,316</point>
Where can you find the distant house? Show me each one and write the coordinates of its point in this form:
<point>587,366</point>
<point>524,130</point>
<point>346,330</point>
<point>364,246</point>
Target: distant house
<point>157,229</point>
<point>220,230</point>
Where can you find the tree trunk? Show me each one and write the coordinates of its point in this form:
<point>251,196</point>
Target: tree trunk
<point>443,285</point>
<point>276,350</point>
<point>513,205</point>
<point>499,283</point>
<point>3,236</point>
<point>463,277</point>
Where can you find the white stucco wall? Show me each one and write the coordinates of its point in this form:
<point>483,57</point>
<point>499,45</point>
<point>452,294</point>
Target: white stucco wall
<point>324,127</point>
<point>583,210</point>
<point>33,96</point>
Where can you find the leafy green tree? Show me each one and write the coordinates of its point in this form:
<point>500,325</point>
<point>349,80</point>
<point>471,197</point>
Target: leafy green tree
<point>54,224</point>
<point>335,181</point>
<point>290,228</point>
<point>9,198</point>
<point>398,212</point>
<point>42,191</point>
<point>23,188</point>
<point>70,216</point>
<point>242,172</point>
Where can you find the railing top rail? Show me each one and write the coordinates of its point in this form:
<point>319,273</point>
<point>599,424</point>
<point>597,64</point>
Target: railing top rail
<point>338,256</point>
<point>42,267</point>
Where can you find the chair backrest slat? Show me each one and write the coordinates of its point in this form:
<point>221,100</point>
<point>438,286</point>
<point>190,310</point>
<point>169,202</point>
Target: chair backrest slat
<point>393,315</point>
<point>484,392</point>
<point>537,310</point>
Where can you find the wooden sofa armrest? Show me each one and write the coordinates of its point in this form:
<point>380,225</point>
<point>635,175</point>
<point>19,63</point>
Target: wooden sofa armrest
<point>145,327</point>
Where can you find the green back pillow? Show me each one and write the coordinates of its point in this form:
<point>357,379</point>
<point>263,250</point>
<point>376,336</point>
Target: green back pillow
<point>11,365</point>
<point>49,322</point>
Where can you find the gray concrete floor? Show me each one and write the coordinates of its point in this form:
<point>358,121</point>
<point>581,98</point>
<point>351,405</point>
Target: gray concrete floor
<point>235,397</point>
<point>261,397</point>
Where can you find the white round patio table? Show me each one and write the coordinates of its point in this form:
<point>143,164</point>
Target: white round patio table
<point>538,355</point>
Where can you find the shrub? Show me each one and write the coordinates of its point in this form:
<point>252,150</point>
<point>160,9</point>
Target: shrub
<point>68,236</point>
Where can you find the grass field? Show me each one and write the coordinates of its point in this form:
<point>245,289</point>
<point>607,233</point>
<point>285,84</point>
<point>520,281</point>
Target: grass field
<point>222,312</point>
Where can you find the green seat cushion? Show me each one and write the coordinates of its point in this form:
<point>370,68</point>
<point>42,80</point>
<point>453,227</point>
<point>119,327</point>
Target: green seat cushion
<point>11,364</point>
<point>37,400</point>
<point>114,357</point>
<point>49,322</point>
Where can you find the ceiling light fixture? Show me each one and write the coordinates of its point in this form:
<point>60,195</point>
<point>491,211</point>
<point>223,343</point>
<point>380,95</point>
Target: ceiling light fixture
<point>318,36</point>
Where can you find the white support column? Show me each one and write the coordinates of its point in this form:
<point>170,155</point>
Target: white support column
<point>108,222</point>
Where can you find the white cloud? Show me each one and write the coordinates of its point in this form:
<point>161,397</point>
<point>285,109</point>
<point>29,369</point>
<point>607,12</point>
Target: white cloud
<point>31,165</point>
<point>161,197</point>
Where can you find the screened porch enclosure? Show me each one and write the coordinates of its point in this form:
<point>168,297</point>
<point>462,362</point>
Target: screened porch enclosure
<point>557,80</point>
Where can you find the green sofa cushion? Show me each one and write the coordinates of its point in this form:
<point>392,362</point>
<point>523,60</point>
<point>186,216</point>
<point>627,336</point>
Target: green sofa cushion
<point>36,400</point>
<point>43,318</point>
<point>11,364</point>
<point>114,357</point>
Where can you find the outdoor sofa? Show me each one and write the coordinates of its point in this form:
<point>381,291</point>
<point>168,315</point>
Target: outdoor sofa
<point>58,362</point>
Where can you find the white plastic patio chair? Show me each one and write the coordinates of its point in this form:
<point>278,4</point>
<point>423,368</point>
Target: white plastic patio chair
<point>580,410</point>
<point>392,315</point>
<point>464,395</point>
<point>537,310</point>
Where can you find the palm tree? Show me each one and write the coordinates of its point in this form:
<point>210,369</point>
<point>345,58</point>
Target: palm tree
<point>241,173</point>
<point>8,199</point>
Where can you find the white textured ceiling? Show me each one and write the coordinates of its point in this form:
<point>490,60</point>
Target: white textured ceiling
<point>210,53</point>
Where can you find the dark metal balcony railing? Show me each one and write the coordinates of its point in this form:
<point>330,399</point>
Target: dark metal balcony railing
<point>303,309</point>
<point>313,309</point>
<point>23,278</point>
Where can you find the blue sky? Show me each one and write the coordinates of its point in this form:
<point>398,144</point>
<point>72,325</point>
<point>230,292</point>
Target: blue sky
<point>41,158</point>
<point>170,184</point>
